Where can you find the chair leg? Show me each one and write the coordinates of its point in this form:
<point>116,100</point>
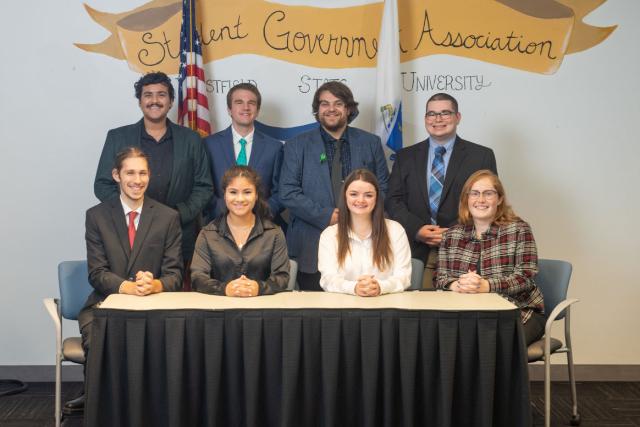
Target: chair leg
<point>575,416</point>
<point>547,392</point>
<point>58,391</point>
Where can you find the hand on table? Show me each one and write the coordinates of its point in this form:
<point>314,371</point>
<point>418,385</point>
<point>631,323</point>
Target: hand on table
<point>367,286</point>
<point>242,287</point>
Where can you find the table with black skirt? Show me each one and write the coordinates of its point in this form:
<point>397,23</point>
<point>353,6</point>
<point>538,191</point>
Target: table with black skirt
<point>307,359</point>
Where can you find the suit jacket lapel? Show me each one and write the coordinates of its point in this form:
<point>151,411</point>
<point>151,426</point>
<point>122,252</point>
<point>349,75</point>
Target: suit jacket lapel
<point>146,218</point>
<point>135,134</point>
<point>227,148</point>
<point>420,165</point>
<point>455,162</point>
<point>257,149</point>
<point>120,224</point>
<point>179,155</point>
<point>317,150</point>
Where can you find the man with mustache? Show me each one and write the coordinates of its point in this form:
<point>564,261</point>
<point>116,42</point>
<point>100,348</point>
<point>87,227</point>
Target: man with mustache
<point>314,167</point>
<point>180,176</point>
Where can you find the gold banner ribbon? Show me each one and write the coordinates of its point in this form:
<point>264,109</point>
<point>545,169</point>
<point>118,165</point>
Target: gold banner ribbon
<point>532,35</point>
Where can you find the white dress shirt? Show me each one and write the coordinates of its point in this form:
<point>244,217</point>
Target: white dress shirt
<point>359,261</point>
<point>127,209</point>
<point>236,143</point>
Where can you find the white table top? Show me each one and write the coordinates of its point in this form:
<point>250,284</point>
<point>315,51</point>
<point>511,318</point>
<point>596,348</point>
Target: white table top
<point>439,300</point>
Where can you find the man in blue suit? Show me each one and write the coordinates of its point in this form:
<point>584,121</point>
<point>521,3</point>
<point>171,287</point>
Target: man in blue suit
<point>242,144</point>
<point>314,167</point>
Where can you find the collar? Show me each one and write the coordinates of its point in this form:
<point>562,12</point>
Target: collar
<point>237,136</point>
<point>327,138</point>
<point>167,135</point>
<point>220,226</point>
<point>127,209</point>
<point>447,145</point>
<point>470,232</point>
<point>353,236</point>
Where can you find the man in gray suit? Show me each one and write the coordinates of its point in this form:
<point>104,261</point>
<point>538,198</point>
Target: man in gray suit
<point>314,167</point>
<point>133,245</point>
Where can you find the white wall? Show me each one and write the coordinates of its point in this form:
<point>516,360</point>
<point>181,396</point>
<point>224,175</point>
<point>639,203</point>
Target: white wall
<point>566,147</point>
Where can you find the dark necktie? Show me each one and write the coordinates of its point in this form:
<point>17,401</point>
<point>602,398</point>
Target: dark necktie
<point>336,171</point>
<point>436,182</point>
<point>132,227</point>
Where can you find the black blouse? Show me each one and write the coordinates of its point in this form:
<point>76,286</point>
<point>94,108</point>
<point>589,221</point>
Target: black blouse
<point>217,260</point>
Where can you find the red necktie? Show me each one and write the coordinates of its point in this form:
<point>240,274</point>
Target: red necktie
<point>132,227</point>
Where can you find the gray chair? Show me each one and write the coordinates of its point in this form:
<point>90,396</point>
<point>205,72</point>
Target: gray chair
<point>417,271</point>
<point>293,273</point>
<point>74,290</point>
<point>553,280</point>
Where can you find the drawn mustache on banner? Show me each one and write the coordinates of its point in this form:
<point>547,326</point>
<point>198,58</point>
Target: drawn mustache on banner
<point>532,35</point>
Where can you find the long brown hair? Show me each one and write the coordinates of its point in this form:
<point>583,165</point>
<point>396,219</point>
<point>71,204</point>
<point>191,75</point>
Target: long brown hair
<point>504,212</point>
<point>379,235</point>
<point>261,208</point>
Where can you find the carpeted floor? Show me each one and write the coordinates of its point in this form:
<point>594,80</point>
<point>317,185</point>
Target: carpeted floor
<point>601,404</point>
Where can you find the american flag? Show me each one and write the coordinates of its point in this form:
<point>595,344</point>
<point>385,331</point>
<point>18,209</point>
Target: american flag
<point>193,106</point>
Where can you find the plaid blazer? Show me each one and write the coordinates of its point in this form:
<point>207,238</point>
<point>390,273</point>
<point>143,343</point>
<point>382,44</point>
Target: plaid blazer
<point>506,256</point>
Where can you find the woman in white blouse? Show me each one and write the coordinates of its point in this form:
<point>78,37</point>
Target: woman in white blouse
<point>363,254</point>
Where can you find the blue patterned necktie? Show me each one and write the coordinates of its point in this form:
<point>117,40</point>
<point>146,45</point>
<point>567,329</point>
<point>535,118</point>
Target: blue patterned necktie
<point>242,156</point>
<point>436,182</point>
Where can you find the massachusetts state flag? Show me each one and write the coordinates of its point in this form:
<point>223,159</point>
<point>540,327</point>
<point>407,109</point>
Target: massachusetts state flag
<point>388,114</point>
<point>193,106</point>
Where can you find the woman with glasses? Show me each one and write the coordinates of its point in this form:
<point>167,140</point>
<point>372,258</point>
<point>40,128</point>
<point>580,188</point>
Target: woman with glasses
<point>363,254</point>
<point>492,250</point>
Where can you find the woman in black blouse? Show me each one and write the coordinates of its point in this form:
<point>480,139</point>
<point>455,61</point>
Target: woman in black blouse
<point>241,253</point>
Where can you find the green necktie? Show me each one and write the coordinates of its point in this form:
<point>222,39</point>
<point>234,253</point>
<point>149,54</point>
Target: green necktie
<point>242,156</point>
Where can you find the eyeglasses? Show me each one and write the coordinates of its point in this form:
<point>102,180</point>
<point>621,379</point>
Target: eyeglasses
<point>444,115</point>
<point>487,194</point>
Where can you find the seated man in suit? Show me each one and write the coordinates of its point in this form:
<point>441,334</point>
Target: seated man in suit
<point>133,245</point>
<point>314,167</point>
<point>427,178</point>
<point>242,144</point>
<point>177,159</point>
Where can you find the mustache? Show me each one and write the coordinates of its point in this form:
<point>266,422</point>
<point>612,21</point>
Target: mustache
<point>155,104</point>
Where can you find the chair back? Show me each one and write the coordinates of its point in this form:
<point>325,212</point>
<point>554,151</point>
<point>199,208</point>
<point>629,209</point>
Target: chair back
<point>553,281</point>
<point>293,273</point>
<point>417,271</point>
<point>73,279</point>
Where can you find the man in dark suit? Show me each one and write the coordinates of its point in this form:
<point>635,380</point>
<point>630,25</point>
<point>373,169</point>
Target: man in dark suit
<point>133,245</point>
<point>314,167</point>
<point>178,161</point>
<point>427,178</point>
<point>242,144</point>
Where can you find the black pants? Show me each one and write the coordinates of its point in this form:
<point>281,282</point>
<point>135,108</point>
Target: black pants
<point>534,328</point>
<point>309,281</point>
<point>85,320</point>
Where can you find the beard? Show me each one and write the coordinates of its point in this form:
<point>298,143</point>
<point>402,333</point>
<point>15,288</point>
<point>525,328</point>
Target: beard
<point>341,123</point>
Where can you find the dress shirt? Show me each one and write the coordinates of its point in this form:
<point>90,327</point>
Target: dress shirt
<point>160,156</point>
<point>445,158</point>
<point>508,260</point>
<point>330,150</point>
<point>217,259</point>
<point>236,143</point>
<point>359,261</point>
<point>127,209</point>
